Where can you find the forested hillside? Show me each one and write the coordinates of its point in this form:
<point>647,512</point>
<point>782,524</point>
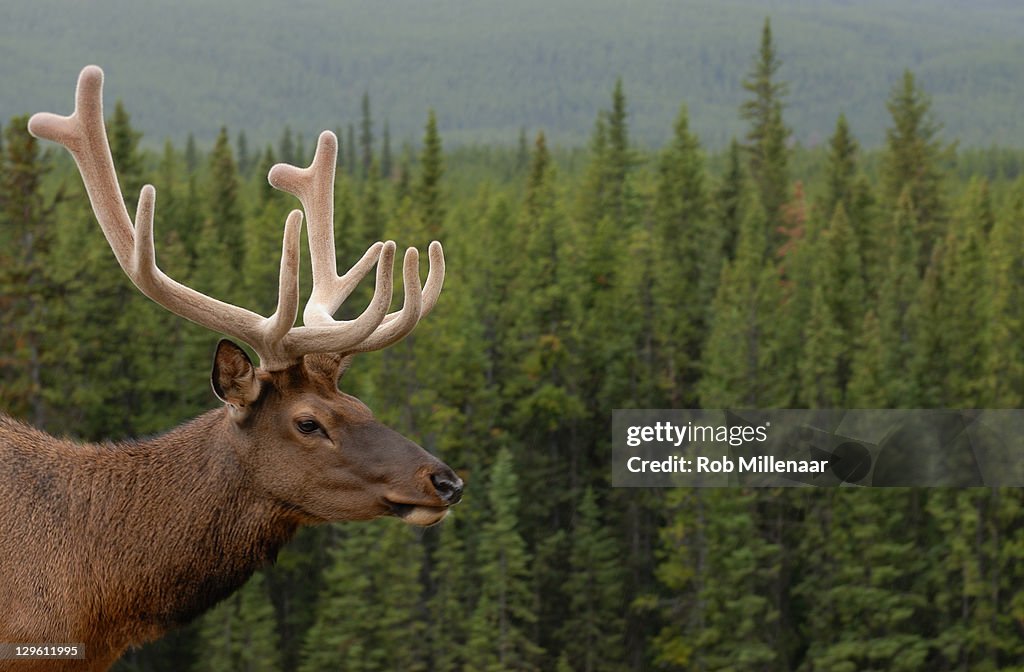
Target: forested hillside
<point>490,68</point>
<point>578,283</point>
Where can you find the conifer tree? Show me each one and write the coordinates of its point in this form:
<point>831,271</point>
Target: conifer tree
<point>728,200</point>
<point>593,632</point>
<point>366,135</point>
<point>368,614</point>
<point>223,205</point>
<point>911,162</point>
<point>505,613</point>
<point>429,202</point>
<point>240,634</point>
<point>1003,379</point>
<point>949,346</point>
<point>301,159</point>
<point>540,343</point>
<point>841,276</point>
<point>191,154</point>
<point>25,283</point>
<point>286,146</point>
<point>720,589</point>
<point>768,134</point>
<point>446,626</point>
<point>350,150</point>
<point>124,148</point>
<point>686,264</point>
<point>244,160</point>
<point>386,160</point>
<point>740,360</point>
<point>897,293</point>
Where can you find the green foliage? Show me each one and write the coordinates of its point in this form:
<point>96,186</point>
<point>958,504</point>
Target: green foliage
<point>499,627</point>
<point>239,634</point>
<point>767,136</point>
<point>367,615</point>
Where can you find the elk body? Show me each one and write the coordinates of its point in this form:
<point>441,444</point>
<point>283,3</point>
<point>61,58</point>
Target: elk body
<point>110,545</point>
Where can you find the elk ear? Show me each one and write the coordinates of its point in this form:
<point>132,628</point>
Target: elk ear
<point>234,377</point>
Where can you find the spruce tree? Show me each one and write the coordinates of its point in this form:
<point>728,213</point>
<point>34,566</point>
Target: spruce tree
<point>729,199</point>
<point>386,168</point>
<point>366,136</point>
<point>25,280</point>
<point>223,205</point>
<point>286,146</point>
<point>741,367</point>
<point>244,160</point>
<point>593,632</point>
<point>686,263</point>
<point>240,634</point>
<point>191,154</point>
<point>367,617</point>
<point>768,134</point>
<point>1002,381</point>
<point>428,198</point>
<point>911,162</point>
<point>350,150</point>
<point>124,148</point>
<point>499,627</point>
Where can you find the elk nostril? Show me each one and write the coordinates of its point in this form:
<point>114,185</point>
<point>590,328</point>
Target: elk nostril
<point>449,487</point>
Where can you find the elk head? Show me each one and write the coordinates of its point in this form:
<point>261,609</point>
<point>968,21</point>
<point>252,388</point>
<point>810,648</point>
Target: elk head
<point>302,442</point>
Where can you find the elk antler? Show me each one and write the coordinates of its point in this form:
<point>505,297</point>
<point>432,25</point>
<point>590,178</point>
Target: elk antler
<point>314,187</point>
<point>276,340</point>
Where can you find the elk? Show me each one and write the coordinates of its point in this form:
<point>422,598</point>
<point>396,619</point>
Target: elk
<point>110,545</point>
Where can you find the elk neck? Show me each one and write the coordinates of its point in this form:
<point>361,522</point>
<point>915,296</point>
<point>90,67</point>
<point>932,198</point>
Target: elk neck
<point>165,527</point>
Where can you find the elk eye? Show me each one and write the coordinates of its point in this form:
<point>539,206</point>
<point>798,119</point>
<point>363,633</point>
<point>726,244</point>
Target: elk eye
<point>308,426</point>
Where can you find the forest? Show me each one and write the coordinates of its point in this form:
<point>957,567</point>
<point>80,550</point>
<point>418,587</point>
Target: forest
<point>764,275</point>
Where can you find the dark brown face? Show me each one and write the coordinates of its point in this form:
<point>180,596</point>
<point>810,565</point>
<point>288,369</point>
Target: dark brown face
<point>320,451</point>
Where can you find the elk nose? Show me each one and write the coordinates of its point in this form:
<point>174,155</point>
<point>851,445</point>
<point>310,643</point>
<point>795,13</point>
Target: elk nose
<point>448,486</point>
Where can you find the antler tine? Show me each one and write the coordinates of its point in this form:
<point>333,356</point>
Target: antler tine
<point>83,133</point>
<point>314,187</point>
<point>374,329</point>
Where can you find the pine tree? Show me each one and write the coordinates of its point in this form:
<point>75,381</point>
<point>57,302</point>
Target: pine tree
<point>842,168</point>
<point>366,135</point>
<point>240,634</point>
<point>686,265</point>
<point>386,169</point>
<point>244,160</point>
<point>286,147</point>
<point>1003,378</point>
<point>718,608</point>
<point>911,162</point>
<point>504,613</point>
<point>949,352</point>
<point>350,150</point>
<point>124,148</point>
<point>446,626</point>
<point>223,205</point>
<point>729,199</point>
<point>768,134</point>
<point>429,201</point>
<point>25,283</point>
<point>881,373</point>
<point>191,154</point>
<point>593,632</point>
<point>740,360</point>
<point>368,614</point>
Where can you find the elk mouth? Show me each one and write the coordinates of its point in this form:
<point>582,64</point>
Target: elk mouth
<point>417,514</point>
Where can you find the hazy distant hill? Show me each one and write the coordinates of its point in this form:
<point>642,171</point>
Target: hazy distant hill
<point>489,67</point>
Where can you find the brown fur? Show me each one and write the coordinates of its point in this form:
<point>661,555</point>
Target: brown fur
<point>112,544</point>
